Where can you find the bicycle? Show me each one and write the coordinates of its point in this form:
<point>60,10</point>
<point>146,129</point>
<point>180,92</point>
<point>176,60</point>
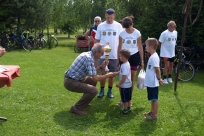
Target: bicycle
<point>195,55</point>
<point>19,42</point>
<point>52,41</point>
<point>40,41</point>
<point>186,71</point>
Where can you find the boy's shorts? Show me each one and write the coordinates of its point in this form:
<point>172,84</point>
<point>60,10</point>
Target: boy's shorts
<point>126,94</point>
<point>152,93</point>
<point>112,65</point>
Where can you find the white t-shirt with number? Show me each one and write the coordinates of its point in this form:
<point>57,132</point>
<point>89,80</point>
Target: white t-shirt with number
<point>129,41</point>
<point>109,33</point>
<point>125,70</point>
<point>168,42</point>
<point>150,77</point>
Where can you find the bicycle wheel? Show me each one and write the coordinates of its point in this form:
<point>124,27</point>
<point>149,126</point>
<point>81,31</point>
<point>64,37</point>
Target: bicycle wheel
<point>55,42</point>
<point>7,47</point>
<point>26,46</point>
<point>186,71</point>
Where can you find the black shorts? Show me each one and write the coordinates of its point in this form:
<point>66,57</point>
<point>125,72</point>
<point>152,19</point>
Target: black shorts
<point>134,59</point>
<point>126,94</point>
<point>168,59</point>
<point>152,93</point>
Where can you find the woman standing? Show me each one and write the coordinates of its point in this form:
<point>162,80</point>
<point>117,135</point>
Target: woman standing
<point>130,39</point>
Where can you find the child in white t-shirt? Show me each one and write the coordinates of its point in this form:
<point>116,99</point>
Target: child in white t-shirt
<point>125,83</point>
<point>152,78</point>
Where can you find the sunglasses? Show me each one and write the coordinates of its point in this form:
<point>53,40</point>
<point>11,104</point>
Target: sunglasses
<point>110,11</point>
<point>97,21</point>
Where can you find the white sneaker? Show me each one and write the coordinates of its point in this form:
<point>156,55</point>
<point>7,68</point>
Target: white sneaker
<point>165,81</point>
<point>170,80</point>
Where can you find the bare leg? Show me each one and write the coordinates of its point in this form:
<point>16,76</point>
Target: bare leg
<point>166,68</point>
<point>110,81</point>
<point>103,82</point>
<point>155,105</point>
<point>126,105</point>
<point>170,68</point>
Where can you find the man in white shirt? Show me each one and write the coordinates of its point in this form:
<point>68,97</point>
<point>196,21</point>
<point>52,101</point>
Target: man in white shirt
<point>167,40</point>
<point>109,31</point>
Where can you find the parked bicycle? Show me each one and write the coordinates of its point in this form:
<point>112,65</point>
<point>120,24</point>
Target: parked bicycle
<point>19,42</point>
<point>186,71</point>
<point>40,41</point>
<point>195,55</point>
<point>51,42</point>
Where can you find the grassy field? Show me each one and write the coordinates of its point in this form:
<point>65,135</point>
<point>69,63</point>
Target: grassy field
<point>37,103</point>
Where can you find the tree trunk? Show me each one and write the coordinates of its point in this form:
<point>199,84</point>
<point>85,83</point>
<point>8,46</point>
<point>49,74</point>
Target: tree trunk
<point>186,12</point>
<point>47,31</point>
<point>68,35</point>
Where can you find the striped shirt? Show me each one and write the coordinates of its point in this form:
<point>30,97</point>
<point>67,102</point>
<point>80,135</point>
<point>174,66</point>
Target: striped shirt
<point>82,66</point>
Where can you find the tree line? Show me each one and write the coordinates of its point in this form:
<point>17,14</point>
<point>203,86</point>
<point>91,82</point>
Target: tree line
<point>150,16</point>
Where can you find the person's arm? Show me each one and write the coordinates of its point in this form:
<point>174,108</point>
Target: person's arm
<point>120,45</point>
<point>96,41</point>
<point>158,74</point>
<point>159,44</point>
<point>87,35</point>
<point>102,77</point>
<point>140,48</point>
<point>119,49</point>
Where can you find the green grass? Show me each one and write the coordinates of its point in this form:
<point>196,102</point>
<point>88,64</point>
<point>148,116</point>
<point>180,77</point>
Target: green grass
<point>37,103</point>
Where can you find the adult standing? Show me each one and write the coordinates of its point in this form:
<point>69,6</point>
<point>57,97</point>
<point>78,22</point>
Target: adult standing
<point>109,31</point>
<point>76,79</point>
<point>130,39</point>
<point>90,34</point>
<point>167,41</point>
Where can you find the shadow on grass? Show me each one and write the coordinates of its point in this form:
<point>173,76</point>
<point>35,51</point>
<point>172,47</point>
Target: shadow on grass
<point>187,116</point>
<point>147,127</point>
<point>101,114</point>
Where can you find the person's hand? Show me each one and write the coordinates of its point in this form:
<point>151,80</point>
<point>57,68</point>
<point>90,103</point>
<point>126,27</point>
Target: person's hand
<point>2,51</point>
<point>104,64</point>
<point>142,65</point>
<point>117,85</point>
<point>160,82</point>
<point>111,74</point>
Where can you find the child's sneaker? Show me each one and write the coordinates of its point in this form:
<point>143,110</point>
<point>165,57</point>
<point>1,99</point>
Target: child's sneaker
<point>124,112</point>
<point>151,117</point>
<point>147,113</point>
<point>165,81</point>
<point>170,80</point>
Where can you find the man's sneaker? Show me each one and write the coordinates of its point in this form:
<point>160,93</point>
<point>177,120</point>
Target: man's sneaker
<point>165,81</point>
<point>101,94</point>
<point>170,80</point>
<point>110,95</point>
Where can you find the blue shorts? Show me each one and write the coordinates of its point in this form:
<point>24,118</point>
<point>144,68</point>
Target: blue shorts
<point>126,94</point>
<point>152,93</point>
